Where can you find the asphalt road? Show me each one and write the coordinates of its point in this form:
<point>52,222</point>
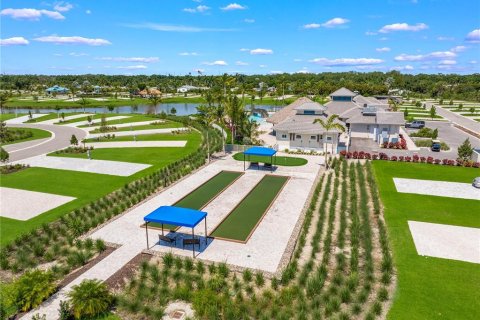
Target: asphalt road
<point>456,118</point>
<point>60,139</point>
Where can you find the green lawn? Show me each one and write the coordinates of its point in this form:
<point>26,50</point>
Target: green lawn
<point>37,134</point>
<point>201,196</point>
<point>242,220</point>
<point>97,116</point>
<point>8,116</point>
<point>86,187</point>
<point>165,125</point>
<point>147,137</point>
<point>131,119</point>
<point>279,161</point>
<point>429,288</point>
<point>51,116</point>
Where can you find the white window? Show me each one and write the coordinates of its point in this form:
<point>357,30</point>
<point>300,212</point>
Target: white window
<point>298,136</point>
<point>329,138</point>
<point>284,136</point>
<point>313,137</point>
<point>368,127</point>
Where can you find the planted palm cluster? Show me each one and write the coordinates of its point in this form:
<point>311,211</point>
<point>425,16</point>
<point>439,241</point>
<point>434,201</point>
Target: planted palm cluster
<point>341,268</point>
<point>58,242</point>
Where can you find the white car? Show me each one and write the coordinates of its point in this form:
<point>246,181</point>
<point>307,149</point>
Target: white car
<point>476,182</point>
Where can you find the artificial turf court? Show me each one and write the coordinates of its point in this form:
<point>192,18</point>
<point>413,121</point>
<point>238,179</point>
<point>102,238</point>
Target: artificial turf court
<point>244,218</point>
<point>205,193</point>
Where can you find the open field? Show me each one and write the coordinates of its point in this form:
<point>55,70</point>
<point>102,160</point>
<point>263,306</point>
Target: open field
<point>277,160</point>
<point>36,134</point>
<point>242,220</point>
<point>428,287</point>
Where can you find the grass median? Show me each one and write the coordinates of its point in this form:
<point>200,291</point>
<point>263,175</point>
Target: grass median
<point>277,160</point>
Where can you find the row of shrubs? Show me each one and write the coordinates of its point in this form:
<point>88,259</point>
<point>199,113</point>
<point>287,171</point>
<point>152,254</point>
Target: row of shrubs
<point>415,158</point>
<point>11,168</point>
<point>402,144</point>
<point>74,150</point>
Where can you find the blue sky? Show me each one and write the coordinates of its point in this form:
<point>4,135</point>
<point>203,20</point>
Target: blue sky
<point>251,37</point>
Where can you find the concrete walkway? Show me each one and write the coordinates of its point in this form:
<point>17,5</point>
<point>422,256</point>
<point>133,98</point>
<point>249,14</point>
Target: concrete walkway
<point>75,116</point>
<point>22,119</point>
<point>137,144</point>
<point>135,132</point>
<point>437,188</point>
<point>115,168</point>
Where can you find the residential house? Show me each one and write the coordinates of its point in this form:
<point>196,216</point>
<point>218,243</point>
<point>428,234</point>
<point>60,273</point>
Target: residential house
<point>56,89</point>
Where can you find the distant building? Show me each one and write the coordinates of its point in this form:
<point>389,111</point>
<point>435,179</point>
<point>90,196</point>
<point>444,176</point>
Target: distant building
<point>97,89</point>
<point>56,90</point>
<point>187,88</point>
<point>149,92</point>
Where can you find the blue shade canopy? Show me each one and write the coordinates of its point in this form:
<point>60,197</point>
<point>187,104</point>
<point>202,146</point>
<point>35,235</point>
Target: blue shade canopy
<point>260,151</point>
<point>176,216</point>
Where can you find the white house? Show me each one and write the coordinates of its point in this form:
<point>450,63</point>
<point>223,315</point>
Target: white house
<point>186,88</point>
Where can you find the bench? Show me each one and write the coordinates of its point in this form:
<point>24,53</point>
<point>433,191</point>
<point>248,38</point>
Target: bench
<point>254,163</point>
<point>167,239</point>
<point>191,242</point>
<point>267,166</point>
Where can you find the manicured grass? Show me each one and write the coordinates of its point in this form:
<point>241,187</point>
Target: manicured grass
<point>144,127</point>
<point>37,134</point>
<point>240,223</point>
<point>51,116</point>
<point>200,197</point>
<point>132,118</point>
<point>86,187</point>
<point>146,137</point>
<point>428,288</point>
<point>278,160</point>
<point>8,116</point>
<point>97,116</point>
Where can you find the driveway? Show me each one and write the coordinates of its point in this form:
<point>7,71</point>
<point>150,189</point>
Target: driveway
<point>60,139</point>
<point>465,122</point>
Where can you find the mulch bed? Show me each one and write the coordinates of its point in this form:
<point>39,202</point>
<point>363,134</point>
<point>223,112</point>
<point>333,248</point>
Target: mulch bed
<point>117,280</point>
<point>73,275</point>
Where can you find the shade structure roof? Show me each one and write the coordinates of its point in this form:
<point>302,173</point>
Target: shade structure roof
<point>176,216</point>
<point>260,151</point>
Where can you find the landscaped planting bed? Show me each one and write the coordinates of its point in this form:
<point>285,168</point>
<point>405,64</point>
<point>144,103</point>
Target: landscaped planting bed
<point>346,272</point>
<point>243,219</point>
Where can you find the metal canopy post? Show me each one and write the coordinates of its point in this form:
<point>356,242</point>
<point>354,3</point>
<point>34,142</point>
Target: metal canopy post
<point>206,237</point>
<point>193,243</point>
<point>162,228</point>
<point>243,161</point>
<point>146,232</point>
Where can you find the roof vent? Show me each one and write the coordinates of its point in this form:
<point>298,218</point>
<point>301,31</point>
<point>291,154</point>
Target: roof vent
<point>369,111</point>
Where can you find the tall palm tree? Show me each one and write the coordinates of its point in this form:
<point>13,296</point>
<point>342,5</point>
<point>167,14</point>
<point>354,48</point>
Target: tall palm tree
<point>90,298</point>
<point>155,100</point>
<point>207,116</point>
<point>219,115</point>
<point>329,124</point>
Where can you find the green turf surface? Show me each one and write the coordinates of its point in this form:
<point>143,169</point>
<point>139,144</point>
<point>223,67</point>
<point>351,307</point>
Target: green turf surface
<point>429,288</point>
<point>37,134</point>
<point>278,160</point>
<point>51,116</point>
<point>144,127</point>
<point>95,118</point>
<point>145,137</point>
<point>200,197</point>
<point>241,221</point>
<point>8,116</point>
<point>132,118</point>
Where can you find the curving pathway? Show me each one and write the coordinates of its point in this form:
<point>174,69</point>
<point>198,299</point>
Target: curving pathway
<point>60,139</point>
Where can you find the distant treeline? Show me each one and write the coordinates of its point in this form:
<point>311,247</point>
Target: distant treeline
<point>446,86</point>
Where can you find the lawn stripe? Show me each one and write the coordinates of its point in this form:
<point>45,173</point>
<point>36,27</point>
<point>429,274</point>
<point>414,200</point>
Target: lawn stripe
<point>240,223</point>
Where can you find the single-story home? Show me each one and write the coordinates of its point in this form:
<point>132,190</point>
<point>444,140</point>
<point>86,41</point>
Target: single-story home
<point>149,92</point>
<point>56,89</point>
<point>187,88</point>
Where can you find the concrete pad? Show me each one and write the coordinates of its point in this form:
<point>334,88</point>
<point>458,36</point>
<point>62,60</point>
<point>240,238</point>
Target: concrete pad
<point>75,116</point>
<point>95,121</point>
<point>137,144</point>
<point>22,119</point>
<point>23,205</point>
<point>126,125</point>
<point>437,188</point>
<point>135,132</point>
<point>446,241</point>
<point>116,168</point>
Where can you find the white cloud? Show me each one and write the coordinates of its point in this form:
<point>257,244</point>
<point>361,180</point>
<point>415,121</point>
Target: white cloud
<point>234,6</point>
<point>473,37</point>
<point>403,27</point>
<point>31,14</point>
<point>135,67</point>
<point>423,57</point>
<point>342,62</point>
<point>244,49</point>
<point>459,49</point>
<point>63,6</point>
<point>383,39</point>
<point>335,22</point>
<point>216,63</point>
<point>200,8</point>
<point>241,63</point>
<point>304,71</point>
<point>402,68</point>
<point>249,20</point>
<point>130,59</point>
<point>174,28</point>
<point>260,51</point>
<point>88,11</point>
<point>276,72</point>
<point>448,62</point>
<point>263,66</point>
<point>297,60</point>
<point>188,54</point>
<point>14,41</point>
<point>73,40</point>
<point>78,54</point>
<point>441,38</point>
<point>384,49</point>
<point>473,61</point>
<point>370,33</point>
<point>58,55</point>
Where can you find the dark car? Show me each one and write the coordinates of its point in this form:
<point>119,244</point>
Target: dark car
<point>436,146</point>
<point>416,124</point>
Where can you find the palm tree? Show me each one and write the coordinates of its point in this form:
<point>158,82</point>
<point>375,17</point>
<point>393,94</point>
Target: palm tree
<point>219,115</point>
<point>83,102</point>
<point>90,298</point>
<point>328,125</point>
<point>207,116</point>
<point>155,100</point>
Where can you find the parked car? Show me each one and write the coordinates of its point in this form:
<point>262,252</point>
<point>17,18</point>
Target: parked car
<point>436,146</point>
<point>416,124</point>
<point>476,182</point>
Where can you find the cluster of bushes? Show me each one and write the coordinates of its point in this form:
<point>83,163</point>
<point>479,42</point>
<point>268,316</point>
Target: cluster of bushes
<point>428,143</point>
<point>105,129</point>
<point>304,152</point>
<point>402,144</point>
<point>425,133</point>
<point>107,136</point>
<point>9,135</point>
<point>11,168</point>
<point>183,131</point>
<point>74,150</point>
<point>415,158</point>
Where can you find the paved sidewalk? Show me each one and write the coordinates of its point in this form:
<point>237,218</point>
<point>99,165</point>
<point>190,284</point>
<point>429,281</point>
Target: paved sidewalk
<point>134,132</point>
<point>22,119</point>
<point>115,168</point>
<point>137,144</point>
<point>437,188</point>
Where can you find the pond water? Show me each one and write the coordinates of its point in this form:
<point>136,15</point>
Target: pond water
<point>182,109</point>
